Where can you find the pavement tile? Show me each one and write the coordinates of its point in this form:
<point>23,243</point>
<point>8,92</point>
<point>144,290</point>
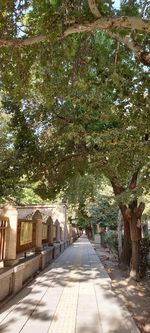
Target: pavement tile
<point>72,295</point>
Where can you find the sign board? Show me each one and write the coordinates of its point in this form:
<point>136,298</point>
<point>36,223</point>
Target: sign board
<point>26,233</point>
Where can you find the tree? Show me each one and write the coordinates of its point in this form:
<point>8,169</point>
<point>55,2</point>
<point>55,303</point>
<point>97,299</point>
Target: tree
<point>91,202</point>
<point>25,23</point>
<point>91,125</point>
<point>7,179</point>
<point>76,109</point>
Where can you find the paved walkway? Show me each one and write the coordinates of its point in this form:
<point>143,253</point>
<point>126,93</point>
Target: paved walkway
<point>73,295</point>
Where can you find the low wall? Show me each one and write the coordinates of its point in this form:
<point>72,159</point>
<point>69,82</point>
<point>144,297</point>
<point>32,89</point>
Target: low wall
<point>13,279</point>
<point>62,246</point>
<point>6,283</point>
<point>47,257</point>
<point>56,251</point>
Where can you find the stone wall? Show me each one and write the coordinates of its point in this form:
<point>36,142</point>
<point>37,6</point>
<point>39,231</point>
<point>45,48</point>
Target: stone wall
<point>18,268</point>
<point>13,279</point>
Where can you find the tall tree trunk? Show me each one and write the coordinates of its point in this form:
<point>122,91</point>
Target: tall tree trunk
<point>135,230</point>
<point>134,273</point>
<point>126,250</point>
<point>132,227</point>
<point>125,257</point>
<point>119,234</point>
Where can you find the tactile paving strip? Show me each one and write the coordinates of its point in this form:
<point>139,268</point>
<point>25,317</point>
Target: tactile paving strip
<point>66,310</point>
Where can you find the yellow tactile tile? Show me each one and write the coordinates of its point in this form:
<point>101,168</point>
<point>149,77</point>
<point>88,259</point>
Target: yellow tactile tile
<point>66,310</point>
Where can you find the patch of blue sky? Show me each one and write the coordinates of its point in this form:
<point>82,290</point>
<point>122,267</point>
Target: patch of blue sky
<point>117,4</point>
<point>21,29</point>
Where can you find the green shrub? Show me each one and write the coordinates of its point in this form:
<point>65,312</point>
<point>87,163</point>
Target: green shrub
<point>110,239</point>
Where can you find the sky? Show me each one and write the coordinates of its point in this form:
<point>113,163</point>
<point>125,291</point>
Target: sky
<point>117,4</point>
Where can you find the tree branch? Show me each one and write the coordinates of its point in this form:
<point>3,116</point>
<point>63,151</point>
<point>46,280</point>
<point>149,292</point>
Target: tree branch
<point>106,23</point>
<point>145,5</point>
<point>143,57</point>
<point>18,42</point>
<point>116,188</point>
<point>140,209</point>
<point>123,209</point>
<point>102,23</point>
<point>117,52</point>
<point>68,157</point>
<point>65,119</point>
<point>133,182</point>
<point>133,23</point>
<point>93,8</point>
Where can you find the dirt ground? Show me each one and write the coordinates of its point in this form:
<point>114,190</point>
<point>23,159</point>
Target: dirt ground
<point>135,295</point>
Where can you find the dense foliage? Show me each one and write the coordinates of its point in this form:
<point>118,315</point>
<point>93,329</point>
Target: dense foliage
<point>74,84</point>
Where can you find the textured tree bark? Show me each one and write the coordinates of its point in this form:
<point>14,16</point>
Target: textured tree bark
<point>135,231</point>
<point>109,23</point>
<point>101,23</point>
<point>132,228</point>
<point>125,257</point>
<point>134,273</point>
<point>119,234</point>
<point>93,8</point>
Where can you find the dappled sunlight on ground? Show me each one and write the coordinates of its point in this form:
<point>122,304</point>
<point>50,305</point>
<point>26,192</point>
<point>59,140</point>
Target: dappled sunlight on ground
<point>135,295</point>
<point>72,295</point>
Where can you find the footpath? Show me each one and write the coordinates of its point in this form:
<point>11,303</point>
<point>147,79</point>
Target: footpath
<point>72,295</point>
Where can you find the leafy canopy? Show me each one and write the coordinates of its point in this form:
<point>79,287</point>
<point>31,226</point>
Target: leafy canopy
<point>78,102</point>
